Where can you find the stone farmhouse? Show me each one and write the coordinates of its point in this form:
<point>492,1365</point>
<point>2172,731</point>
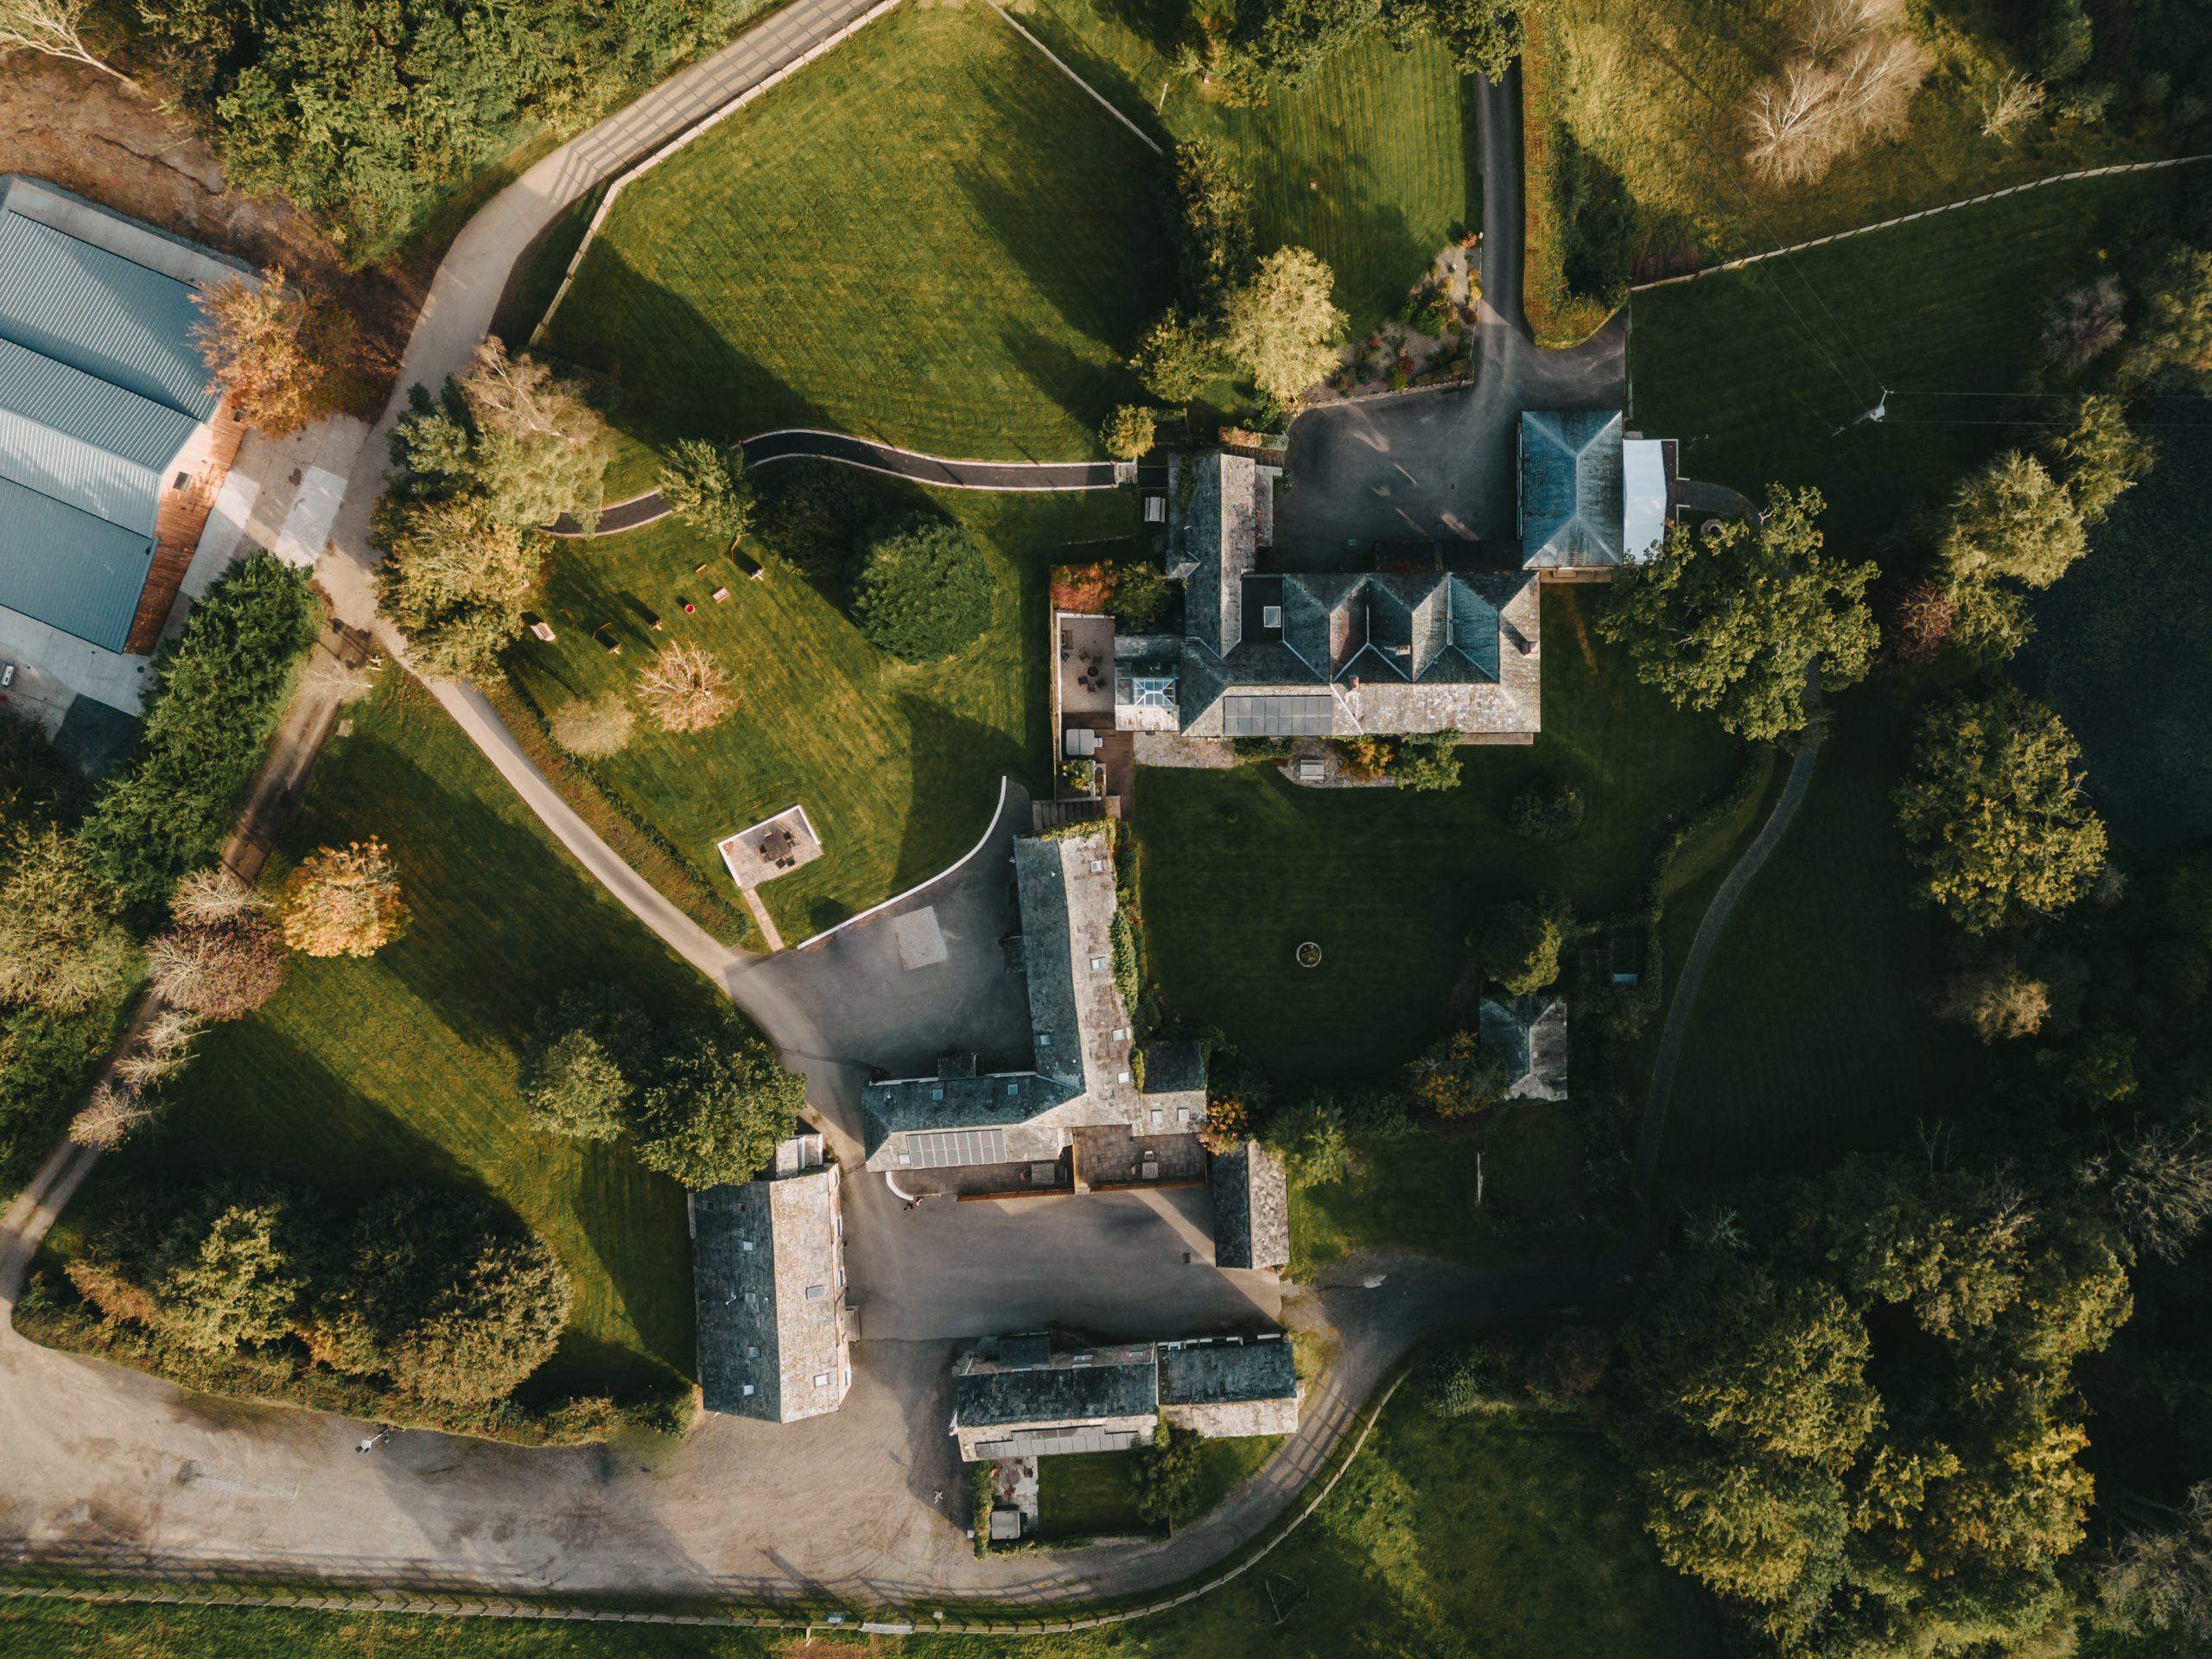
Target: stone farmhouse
<point>775,1336</point>
<point>1018,1397</point>
<point>1252,1208</point>
<point>1451,645</point>
<point>1529,1034</point>
<point>1087,1112</point>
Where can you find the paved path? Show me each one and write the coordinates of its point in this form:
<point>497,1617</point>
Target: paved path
<point>802,444</point>
<point>1438,465</point>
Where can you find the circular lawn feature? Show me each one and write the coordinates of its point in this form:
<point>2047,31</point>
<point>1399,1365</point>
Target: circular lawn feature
<point>1309,955</point>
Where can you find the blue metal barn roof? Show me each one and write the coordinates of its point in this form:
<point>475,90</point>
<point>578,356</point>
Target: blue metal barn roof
<point>69,569</point>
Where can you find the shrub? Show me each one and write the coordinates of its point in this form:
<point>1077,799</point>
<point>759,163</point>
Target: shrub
<point>808,514</point>
<point>1456,1076</point>
<point>1139,595</point>
<point>1918,623</point>
<point>1520,948</point>
<point>685,689</point>
<point>980,1506</point>
<point>925,589</point>
<point>61,951</point>
<point>216,692</point>
<point>1168,1474</point>
<point>1225,1124</point>
<point>580,1073</point>
<point>1086,589</point>
<point>1550,810</point>
<point>715,1107</point>
<point>343,901</point>
<point>1309,1138</point>
<point>1474,1379</point>
<point>1566,1370</point>
<point>1426,761</point>
<point>1998,1001</point>
<point>593,726</point>
<point>1129,432</point>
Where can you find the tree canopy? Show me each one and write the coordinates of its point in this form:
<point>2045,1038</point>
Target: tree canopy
<point>705,484</point>
<point>923,589</point>
<point>1992,810</point>
<point>278,351</point>
<point>716,1107</point>
<point>1283,327</point>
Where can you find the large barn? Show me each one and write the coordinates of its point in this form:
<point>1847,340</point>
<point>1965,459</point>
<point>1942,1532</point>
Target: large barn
<point>112,444</point>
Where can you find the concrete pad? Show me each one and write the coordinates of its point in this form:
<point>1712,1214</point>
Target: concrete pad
<point>307,525</point>
<point>921,941</point>
<point>54,667</point>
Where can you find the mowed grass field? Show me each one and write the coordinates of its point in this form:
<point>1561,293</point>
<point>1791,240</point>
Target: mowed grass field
<point>1813,1034</point>
<point>1373,165</point>
<point>362,1075</point>
<point>897,764</point>
<point>932,237</point>
<point>1093,1494</point>
<point>1239,867</point>
<point>1513,1537</point>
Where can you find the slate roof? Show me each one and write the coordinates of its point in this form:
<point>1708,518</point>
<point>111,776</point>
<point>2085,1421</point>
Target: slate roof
<point>768,1316</point>
<point>1042,878</point>
<point>1571,490</point>
<point>1252,1208</point>
<point>1529,1034</point>
<point>1220,1373</point>
<point>1174,1068</point>
<point>1059,1393</point>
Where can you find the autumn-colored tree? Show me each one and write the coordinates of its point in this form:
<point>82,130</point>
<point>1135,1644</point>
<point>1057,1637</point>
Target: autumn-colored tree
<point>2000,1001</point>
<point>1283,327</point>
<point>278,351</point>
<point>1226,1125</point>
<point>685,689</point>
<point>593,726</point>
<point>1456,1076</point>
<point>1917,622</point>
<point>343,901</point>
<point>221,970</point>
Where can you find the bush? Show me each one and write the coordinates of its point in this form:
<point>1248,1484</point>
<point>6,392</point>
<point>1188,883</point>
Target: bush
<point>216,692</point>
<point>1309,1138</point>
<point>1456,1076</point>
<point>1139,595</point>
<point>593,726</point>
<point>809,514</point>
<point>1547,810</point>
<point>925,589</point>
<point>1477,1378</point>
<point>1427,761</point>
<point>1566,1370</point>
<point>1168,1474</point>
<point>979,1506</point>
<point>1520,948</point>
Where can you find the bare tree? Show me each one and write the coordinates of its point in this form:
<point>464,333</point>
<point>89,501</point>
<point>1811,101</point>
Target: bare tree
<point>593,726</point>
<point>222,969</point>
<point>685,690</point>
<point>1851,80</point>
<point>51,26</point>
<point>106,1121</point>
<point>2080,324</point>
<point>206,897</point>
<point>162,1049</point>
<point>341,682</point>
<point>2006,103</point>
<point>2164,1194</point>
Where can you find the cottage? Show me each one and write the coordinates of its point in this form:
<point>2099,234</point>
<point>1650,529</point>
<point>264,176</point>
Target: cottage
<point>1252,1208</point>
<point>769,1274</point>
<point>1227,1388</point>
<point>1529,1033</point>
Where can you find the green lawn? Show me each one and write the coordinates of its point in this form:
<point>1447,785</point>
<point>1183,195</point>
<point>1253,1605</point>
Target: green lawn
<point>931,236</point>
<point>1813,1034</point>
<point>1373,165</point>
<point>1093,1495</point>
<point>898,765</point>
<point>1240,867</point>
<point>362,1075</point>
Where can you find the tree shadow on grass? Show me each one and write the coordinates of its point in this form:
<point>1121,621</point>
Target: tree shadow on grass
<point>958,765</point>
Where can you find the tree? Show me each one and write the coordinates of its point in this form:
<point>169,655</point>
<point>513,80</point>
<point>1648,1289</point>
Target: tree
<point>1177,360</point>
<point>343,901</point>
<point>435,1290</point>
<point>2101,457</point>
<point>1998,1001</point>
<point>1167,1473</point>
<point>1286,42</point>
<point>210,897</point>
<point>540,449</point>
<point>2173,337</point>
<point>163,1050</point>
<point>111,1117</point>
<point>717,1108</point>
<point>231,1267</point>
<point>278,353</point>
<point>2162,1195</point>
<point>685,690</point>
<point>1484,36</point>
<point>593,726</point>
<point>1129,433</point>
<point>1918,623</point>
<point>1456,1076</point>
<point>1850,80</point>
<point>2012,519</point>
<point>705,485</point>
<point>1548,809</point>
<point>1732,620</point>
<point>1139,595</point>
<point>1520,947</point>
<point>61,950</point>
<point>454,583</point>
<point>1309,1138</point>
<point>1281,328</point>
<point>1992,813</point>
<point>1566,1370</point>
<point>587,1053</point>
<point>2162,1579</point>
<point>2082,323</point>
<point>923,589</point>
<point>53,28</point>
<point>810,514</point>
<point>1214,242</point>
<point>219,970</point>
<point>1426,762</point>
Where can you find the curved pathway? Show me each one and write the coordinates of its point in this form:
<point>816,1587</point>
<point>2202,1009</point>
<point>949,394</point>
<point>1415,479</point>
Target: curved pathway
<point>804,443</point>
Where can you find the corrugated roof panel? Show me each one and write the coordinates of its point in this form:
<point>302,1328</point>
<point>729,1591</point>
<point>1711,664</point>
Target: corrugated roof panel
<point>52,393</point>
<point>99,312</point>
<point>68,570</point>
<point>79,474</point>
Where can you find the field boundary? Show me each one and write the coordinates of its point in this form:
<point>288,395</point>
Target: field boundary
<point>1005,791</point>
<point>2112,170</point>
<point>706,123</point>
<point>1104,102</point>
